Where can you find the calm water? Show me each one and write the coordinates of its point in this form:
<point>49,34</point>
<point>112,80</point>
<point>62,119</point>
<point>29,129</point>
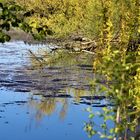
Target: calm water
<point>39,102</point>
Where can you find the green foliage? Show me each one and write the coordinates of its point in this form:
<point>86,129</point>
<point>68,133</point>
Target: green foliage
<point>121,72</point>
<point>62,17</point>
<point>99,19</point>
<point>102,128</point>
<point>8,18</point>
<point>13,15</point>
<point>105,21</point>
<point>120,69</point>
<point>102,20</point>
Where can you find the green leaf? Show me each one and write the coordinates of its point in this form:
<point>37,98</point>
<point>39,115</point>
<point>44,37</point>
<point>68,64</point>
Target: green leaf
<point>91,116</point>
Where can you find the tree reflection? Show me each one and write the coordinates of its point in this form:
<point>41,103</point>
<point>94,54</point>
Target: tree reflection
<point>64,109</point>
<point>46,106</point>
<point>54,72</point>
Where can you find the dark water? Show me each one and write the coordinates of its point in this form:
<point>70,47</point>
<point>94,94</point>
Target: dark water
<point>44,101</point>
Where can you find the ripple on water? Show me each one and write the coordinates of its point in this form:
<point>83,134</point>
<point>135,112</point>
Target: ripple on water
<point>37,102</point>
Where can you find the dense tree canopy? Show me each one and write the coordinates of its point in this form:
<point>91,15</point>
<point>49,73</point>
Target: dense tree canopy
<point>98,19</point>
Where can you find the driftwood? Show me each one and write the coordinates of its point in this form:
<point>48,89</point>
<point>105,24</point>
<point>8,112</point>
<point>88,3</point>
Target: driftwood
<point>89,46</point>
<point>88,52</point>
<point>38,59</point>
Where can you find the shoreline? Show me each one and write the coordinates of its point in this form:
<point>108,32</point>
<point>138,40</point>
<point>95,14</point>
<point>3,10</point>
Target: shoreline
<point>75,43</point>
<point>28,38</point>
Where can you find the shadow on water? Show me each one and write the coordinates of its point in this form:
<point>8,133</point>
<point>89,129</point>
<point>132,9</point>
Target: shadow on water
<point>20,71</point>
<point>48,99</point>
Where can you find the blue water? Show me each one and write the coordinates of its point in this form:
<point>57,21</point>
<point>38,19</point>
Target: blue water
<point>19,121</point>
<point>32,116</point>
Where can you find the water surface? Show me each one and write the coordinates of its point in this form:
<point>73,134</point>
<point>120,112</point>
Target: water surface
<point>42,102</point>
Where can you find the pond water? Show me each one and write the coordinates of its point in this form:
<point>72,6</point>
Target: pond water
<point>45,101</point>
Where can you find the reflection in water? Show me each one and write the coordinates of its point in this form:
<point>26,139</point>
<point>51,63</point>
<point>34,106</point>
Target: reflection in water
<point>54,87</point>
<point>64,109</point>
<point>24,116</point>
<point>20,70</point>
<point>77,93</point>
<point>47,105</point>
